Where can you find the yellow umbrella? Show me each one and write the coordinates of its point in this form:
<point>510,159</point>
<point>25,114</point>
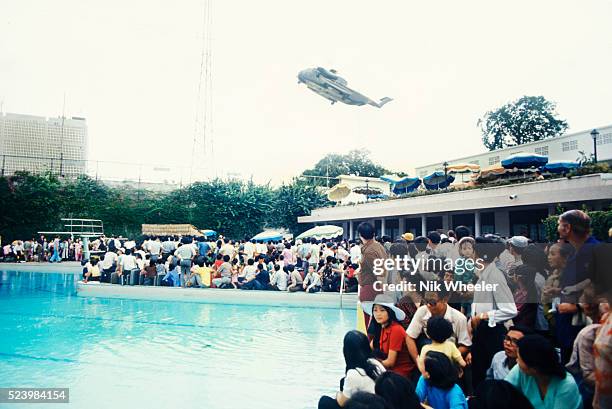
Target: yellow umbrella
<point>463,168</point>
<point>338,192</point>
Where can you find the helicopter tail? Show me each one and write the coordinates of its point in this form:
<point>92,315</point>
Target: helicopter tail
<point>383,101</point>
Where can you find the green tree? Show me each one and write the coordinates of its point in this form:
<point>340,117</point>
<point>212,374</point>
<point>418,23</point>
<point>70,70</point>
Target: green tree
<point>528,119</point>
<point>294,200</point>
<point>332,165</point>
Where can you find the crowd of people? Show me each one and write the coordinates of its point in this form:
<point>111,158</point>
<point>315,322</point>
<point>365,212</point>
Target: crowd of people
<point>540,338</point>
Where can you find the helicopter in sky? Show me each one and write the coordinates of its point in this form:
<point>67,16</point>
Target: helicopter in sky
<point>333,87</point>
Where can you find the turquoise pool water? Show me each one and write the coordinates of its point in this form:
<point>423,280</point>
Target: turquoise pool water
<point>132,354</point>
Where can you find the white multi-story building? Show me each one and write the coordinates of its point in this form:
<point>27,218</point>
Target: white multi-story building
<point>514,209</point>
<point>561,148</point>
<point>37,144</point>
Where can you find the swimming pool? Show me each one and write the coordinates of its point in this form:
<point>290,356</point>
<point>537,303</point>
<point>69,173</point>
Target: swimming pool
<point>128,353</point>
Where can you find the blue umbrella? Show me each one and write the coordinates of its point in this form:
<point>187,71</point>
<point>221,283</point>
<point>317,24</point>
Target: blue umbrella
<point>438,180</point>
<point>268,236</point>
<point>208,233</point>
<point>401,185</point>
<point>559,167</point>
<point>524,160</point>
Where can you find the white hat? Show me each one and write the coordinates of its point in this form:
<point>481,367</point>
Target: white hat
<point>519,241</point>
<point>385,301</point>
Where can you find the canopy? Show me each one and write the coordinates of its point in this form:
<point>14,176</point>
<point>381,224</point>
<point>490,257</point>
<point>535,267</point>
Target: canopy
<point>401,185</point>
<point>498,172</point>
<point>338,192</point>
<point>560,166</point>
<point>175,230</point>
<point>368,190</point>
<point>322,232</point>
<point>463,168</point>
<point>524,160</point>
<point>438,180</point>
<point>208,233</point>
<point>269,235</point>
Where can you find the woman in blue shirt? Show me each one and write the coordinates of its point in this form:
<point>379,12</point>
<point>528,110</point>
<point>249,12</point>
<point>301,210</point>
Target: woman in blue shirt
<point>438,386</point>
<point>540,376</point>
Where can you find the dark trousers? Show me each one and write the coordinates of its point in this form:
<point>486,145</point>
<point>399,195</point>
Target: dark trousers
<point>486,342</point>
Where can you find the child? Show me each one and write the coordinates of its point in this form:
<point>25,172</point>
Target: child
<point>439,330</point>
<point>437,386</point>
<point>160,269</point>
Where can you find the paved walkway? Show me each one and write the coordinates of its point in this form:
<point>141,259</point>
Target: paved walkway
<point>63,267</point>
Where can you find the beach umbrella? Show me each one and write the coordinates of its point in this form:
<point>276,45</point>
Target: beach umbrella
<point>338,192</point>
<point>367,190</point>
<point>560,166</point>
<point>499,172</point>
<point>209,233</point>
<point>269,235</point>
<point>438,180</point>
<point>322,232</point>
<point>401,185</point>
<point>463,168</point>
<point>524,160</point>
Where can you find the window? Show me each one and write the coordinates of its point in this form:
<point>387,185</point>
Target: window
<point>569,146</point>
<point>604,139</point>
<point>475,162</point>
<point>493,160</point>
<point>542,150</point>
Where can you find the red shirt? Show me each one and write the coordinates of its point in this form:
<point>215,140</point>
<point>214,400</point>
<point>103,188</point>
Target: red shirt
<point>393,337</point>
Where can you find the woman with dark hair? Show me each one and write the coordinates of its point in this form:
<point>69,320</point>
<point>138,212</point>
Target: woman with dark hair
<point>490,309</point>
<point>397,391</point>
<point>498,394</point>
<point>362,370</point>
<point>389,337</point>
<point>525,295</point>
<point>438,385</point>
<point>540,376</point>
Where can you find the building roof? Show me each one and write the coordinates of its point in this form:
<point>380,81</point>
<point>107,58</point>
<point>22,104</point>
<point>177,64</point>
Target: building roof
<point>552,191</point>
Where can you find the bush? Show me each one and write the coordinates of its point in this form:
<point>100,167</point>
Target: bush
<point>601,222</point>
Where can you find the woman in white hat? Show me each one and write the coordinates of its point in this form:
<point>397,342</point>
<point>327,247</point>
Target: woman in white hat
<point>389,337</point>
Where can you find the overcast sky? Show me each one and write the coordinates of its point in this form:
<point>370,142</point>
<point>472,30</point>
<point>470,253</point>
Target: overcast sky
<point>132,69</point>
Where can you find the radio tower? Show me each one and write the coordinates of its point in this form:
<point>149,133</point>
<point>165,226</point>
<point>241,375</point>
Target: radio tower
<point>203,152</point>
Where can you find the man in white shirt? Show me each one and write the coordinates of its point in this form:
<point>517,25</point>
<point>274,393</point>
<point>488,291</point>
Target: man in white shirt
<point>312,281</point>
<point>278,281</point>
<point>314,252</point>
<point>108,266</point>
<point>437,305</point>
<point>249,249</point>
<point>355,253</point>
<point>227,249</point>
<point>154,248</point>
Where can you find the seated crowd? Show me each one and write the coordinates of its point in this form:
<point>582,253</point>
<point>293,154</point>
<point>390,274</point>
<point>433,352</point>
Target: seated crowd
<point>309,266</point>
<point>541,339</point>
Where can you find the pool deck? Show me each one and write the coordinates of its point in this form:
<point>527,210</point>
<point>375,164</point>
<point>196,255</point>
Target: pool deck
<point>218,296</point>
<point>44,267</point>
